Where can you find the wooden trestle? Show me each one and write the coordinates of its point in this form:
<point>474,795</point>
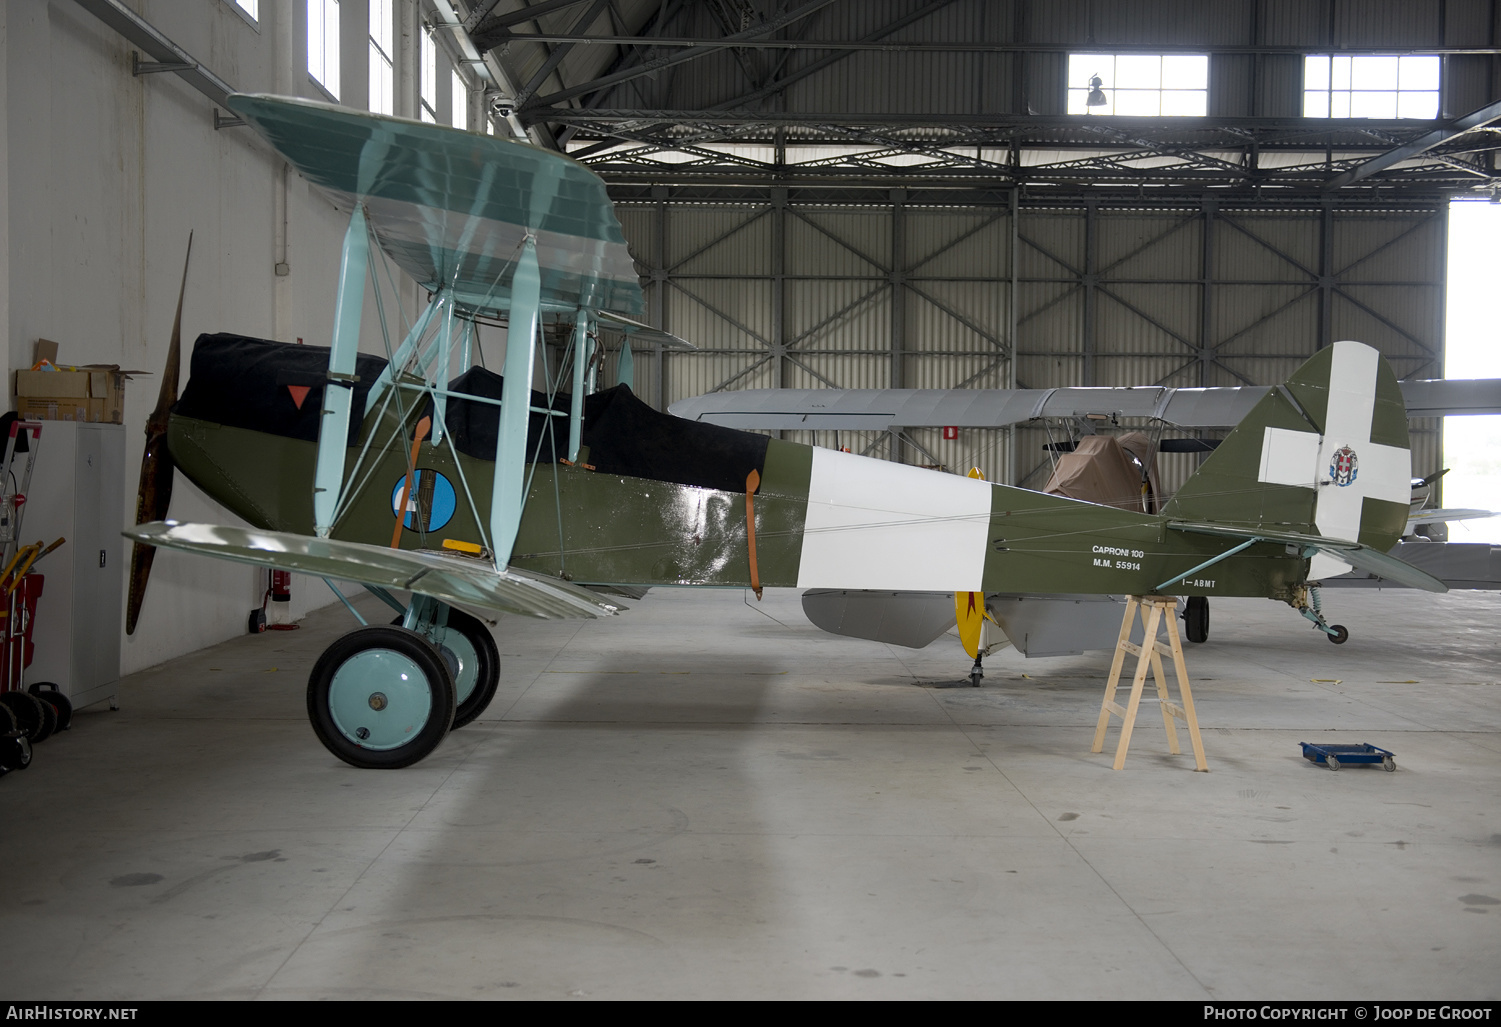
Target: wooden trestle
<point>1154,610</point>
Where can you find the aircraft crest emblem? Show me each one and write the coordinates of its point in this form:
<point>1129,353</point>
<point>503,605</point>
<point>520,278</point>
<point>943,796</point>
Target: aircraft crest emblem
<point>1344,468</point>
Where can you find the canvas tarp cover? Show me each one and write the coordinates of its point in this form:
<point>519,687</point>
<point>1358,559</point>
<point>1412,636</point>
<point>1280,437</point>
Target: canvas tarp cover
<point>1100,470</point>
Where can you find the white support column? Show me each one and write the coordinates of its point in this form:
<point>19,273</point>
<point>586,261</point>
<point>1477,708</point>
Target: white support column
<point>408,55</point>
<point>354,53</point>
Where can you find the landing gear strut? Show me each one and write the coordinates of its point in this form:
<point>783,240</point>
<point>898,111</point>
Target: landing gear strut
<point>1306,602</point>
<point>469,651</point>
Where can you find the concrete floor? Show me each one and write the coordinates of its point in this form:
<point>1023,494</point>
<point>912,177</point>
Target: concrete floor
<point>706,798</point>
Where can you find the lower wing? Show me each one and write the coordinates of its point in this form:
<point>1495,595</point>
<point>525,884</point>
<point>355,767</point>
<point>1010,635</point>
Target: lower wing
<point>452,579</point>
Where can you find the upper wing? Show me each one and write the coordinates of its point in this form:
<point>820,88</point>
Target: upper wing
<point>452,579</point>
<point>880,409</point>
<point>452,207</point>
<point>643,332</point>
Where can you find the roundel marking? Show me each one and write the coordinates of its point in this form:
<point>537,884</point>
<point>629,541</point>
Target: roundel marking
<point>432,498</point>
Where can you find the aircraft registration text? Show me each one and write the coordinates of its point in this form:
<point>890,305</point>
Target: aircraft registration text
<point>1129,564</point>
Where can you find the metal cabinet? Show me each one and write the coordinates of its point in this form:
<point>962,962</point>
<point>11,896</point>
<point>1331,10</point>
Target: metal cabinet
<point>77,491</point>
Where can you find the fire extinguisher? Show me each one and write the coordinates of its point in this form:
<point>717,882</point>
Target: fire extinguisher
<point>275,611</point>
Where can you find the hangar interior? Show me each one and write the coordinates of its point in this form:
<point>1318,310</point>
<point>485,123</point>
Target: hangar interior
<point>707,797</point>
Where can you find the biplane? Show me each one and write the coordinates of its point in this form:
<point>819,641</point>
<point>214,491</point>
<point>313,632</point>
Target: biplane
<point>416,471</point>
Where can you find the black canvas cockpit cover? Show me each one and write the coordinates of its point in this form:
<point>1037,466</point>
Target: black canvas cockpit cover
<point>623,434</point>
<point>475,425</point>
<point>246,383</point>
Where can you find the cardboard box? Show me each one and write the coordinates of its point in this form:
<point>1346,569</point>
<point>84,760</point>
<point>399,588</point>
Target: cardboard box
<point>41,408</point>
<point>89,393</point>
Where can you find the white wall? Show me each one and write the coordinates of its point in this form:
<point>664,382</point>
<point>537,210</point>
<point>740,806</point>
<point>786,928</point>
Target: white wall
<point>102,177</point>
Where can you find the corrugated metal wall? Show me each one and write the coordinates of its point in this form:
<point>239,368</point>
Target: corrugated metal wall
<point>781,294</point>
<point>880,293</point>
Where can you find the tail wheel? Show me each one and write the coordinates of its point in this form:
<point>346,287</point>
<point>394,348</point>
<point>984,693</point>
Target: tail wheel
<point>52,695</point>
<point>1339,634</point>
<point>468,649</point>
<point>380,698</point>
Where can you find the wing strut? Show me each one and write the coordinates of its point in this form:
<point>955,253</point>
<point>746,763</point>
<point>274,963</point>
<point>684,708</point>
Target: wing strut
<point>333,429</point>
<point>581,357</point>
<point>1247,544</point>
<point>508,496</point>
<point>404,351</point>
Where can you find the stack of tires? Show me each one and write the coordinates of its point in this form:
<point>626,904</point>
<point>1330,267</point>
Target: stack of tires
<point>30,717</point>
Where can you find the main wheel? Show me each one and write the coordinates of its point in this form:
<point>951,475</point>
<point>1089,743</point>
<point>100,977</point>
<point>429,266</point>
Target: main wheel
<point>1196,619</point>
<point>1340,635</point>
<point>380,698</point>
<point>469,651</point>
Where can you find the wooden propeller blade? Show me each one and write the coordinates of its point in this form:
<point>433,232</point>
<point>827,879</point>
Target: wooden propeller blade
<point>154,494</point>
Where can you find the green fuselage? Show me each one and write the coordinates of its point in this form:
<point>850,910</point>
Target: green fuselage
<point>608,529</point>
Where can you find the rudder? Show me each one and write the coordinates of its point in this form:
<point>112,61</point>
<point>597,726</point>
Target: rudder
<point>1325,453</point>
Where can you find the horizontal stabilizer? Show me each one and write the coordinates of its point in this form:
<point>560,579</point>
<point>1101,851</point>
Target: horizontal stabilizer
<point>1443,515</point>
<point>1360,557</point>
<point>1467,565</point>
<point>453,579</point>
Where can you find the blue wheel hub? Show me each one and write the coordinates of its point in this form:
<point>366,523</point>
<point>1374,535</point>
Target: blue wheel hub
<point>380,699</point>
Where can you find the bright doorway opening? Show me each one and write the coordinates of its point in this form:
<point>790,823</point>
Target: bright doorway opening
<point>1472,349</point>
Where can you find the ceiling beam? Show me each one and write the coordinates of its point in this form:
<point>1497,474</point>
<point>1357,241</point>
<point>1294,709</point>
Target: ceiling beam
<point>975,47</point>
<point>691,54</point>
<point>1475,119</point>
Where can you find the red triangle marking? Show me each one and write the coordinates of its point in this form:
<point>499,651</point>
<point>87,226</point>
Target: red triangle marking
<point>299,393</point>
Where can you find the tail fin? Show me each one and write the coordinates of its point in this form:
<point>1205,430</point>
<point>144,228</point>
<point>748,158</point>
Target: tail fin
<point>1325,453</point>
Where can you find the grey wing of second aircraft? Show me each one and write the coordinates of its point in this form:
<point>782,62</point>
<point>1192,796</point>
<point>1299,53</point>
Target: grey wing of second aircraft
<point>883,409</point>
